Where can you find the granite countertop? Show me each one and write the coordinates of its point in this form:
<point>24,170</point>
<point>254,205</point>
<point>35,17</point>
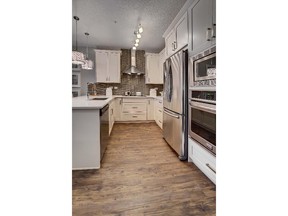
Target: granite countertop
<point>83,102</point>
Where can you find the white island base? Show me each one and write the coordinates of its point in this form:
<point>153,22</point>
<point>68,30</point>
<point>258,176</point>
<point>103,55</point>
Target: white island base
<point>85,139</point>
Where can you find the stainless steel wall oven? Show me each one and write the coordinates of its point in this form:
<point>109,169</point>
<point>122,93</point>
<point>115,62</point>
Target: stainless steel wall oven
<point>202,117</point>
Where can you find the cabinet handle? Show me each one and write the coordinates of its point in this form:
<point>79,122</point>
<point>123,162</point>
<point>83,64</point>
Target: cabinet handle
<point>175,45</point>
<point>210,168</point>
<point>208,34</point>
<point>134,107</point>
<point>120,101</point>
<point>148,101</point>
<point>160,111</point>
<point>160,121</point>
<point>214,31</point>
<point>135,116</point>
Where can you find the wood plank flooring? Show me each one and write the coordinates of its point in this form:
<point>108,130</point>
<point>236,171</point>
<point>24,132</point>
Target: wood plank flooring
<point>141,175</point>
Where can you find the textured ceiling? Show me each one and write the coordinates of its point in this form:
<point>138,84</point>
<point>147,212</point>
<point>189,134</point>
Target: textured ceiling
<point>111,23</point>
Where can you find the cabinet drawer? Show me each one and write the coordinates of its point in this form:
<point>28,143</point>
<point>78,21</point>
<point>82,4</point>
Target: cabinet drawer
<point>133,117</point>
<point>133,107</point>
<point>204,160</point>
<point>133,100</point>
<point>159,114</point>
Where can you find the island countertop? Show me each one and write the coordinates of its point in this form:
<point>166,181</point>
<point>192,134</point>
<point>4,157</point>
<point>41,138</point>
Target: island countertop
<point>83,102</point>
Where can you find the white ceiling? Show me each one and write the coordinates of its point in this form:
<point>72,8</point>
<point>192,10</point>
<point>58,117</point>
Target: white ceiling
<point>111,23</point>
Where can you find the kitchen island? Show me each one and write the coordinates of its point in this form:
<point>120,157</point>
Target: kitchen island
<point>86,153</point>
<point>86,125</point>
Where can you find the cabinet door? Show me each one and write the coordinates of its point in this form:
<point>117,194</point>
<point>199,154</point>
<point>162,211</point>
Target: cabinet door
<point>101,59</point>
<point>117,109</point>
<point>150,109</point>
<point>152,69</point>
<point>169,43</point>
<point>201,25</point>
<point>161,62</point>
<point>214,21</point>
<point>181,33</point>
<point>114,67</point>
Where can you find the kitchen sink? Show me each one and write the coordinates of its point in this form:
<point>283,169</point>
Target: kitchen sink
<point>99,98</point>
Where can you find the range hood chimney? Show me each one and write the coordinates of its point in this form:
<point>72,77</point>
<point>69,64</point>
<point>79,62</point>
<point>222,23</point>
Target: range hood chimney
<point>133,70</point>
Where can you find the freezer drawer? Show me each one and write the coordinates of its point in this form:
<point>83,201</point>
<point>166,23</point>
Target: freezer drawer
<point>173,131</point>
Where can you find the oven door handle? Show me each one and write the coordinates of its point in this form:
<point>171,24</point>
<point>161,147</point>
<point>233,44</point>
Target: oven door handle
<point>203,108</point>
<point>170,114</point>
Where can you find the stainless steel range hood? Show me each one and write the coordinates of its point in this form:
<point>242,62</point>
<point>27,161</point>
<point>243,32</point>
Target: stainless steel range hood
<point>133,70</point>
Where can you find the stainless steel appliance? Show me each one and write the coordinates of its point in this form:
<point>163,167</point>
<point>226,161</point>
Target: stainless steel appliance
<point>104,129</point>
<point>205,67</point>
<point>202,116</point>
<point>175,102</point>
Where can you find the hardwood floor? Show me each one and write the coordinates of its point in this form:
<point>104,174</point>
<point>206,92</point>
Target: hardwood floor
<point>141,175</point>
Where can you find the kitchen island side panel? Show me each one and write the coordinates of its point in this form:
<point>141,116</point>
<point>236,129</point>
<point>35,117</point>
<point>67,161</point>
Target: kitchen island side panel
<point>85,139</point>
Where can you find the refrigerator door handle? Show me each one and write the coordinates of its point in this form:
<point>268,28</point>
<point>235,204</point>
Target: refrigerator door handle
<point>170,114</point>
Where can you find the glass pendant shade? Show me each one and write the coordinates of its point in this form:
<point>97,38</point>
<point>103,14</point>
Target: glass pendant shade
<point>88,65</point>
<point>78,58</point>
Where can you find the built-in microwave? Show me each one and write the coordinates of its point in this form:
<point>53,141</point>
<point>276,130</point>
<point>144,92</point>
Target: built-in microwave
<point>205,67</point>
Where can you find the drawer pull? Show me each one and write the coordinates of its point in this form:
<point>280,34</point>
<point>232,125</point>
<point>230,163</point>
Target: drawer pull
<point>210,168</point>
<point>134,107</point>
<point>135,116</point>
<point>160,111</point>
<point>160,121</point>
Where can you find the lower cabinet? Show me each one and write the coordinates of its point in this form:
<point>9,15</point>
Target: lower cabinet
<point>203,159</point>
<point>134,109</point>
<point>150,109</point>
<point>158,112</point>
<point>111,115</point>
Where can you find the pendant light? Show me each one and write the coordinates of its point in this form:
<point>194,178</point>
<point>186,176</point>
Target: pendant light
<point>88,65</point>
<point>77,57</point>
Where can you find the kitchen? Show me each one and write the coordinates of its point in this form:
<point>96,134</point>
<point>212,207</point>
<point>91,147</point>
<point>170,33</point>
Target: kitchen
<point>159,95</point>
<point>140,173</point>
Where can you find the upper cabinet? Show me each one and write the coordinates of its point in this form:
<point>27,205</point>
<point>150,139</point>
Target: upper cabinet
<point>202,19</point>
<point>107,66</point>
<point>152,70</point>
<point>178,36</point>
<point>162,58</point>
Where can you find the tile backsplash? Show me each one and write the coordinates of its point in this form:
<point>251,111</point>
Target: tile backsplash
<point>132,83</point>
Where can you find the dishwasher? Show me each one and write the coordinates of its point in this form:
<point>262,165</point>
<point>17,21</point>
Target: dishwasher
<point>104,129</point>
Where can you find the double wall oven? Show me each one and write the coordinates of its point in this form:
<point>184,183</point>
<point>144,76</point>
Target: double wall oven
<point>202,116</point>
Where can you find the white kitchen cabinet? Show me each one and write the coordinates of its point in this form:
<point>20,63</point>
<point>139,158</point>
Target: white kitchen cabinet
<point>150,109</point>
<point>162,58</point>
<point>107,66</point>
<point>203,159</point>
<point>178,36</point>
<point>117,109</point>
<point>134,109</point>
<point>202,16</point>
<point>152,70</point>
<point>158,112</point>
<point>111,115</point>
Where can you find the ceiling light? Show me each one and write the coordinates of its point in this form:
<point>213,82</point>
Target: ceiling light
<point>88,63</point>
<point>134,48</point>
<point>77,57</point>
<point>140,30</point>
<point>138,35</point>
<point>137,40</point>
<point>136,44</point>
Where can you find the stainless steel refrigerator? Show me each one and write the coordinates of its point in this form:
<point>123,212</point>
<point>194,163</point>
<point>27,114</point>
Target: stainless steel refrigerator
<point>175,101</point>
